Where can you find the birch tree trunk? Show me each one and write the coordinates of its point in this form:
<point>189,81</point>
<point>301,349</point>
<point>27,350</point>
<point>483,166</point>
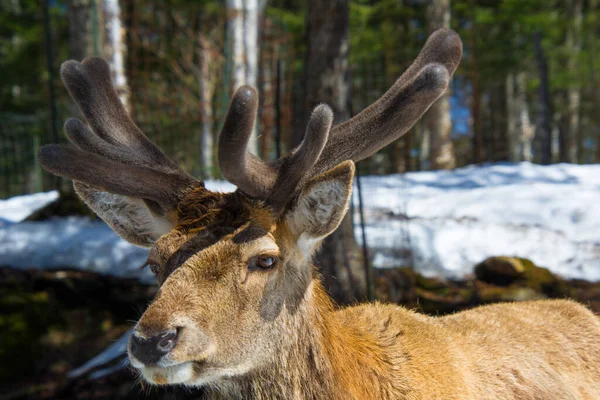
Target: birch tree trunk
<point>512,120</point>
<point>326,80</point>
<point>527,128</point>
<point>437,119</point>
<point>115,51</point>
<point>243,21</point>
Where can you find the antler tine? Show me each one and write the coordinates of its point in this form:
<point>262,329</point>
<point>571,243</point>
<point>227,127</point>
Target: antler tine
<point>296,166</point>
<point>84,139</point>
<point>399,108</point>
<point>90,85</point>
<point>250,174</point>
<point>112,176</point>
<point>115,157</point>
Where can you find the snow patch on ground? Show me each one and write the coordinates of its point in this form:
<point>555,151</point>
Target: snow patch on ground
<point>441,222</point>
<point>450,220</point>
<point>16,209</point>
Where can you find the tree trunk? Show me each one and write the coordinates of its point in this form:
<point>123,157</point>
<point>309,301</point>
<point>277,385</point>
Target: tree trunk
<point>437,119</point>
<point>512,120</point>
<point>499,116</point>
<point>407,141</point>
<point>115,51</point>
<point>527,133</point>
<point>594,86</point>
<point>206,90</point>
<point>267,86</point>
<point>569,133</point>
<point>84,37</point>
<point>326,81</point>
<point>243,17</point>
<point>424,149</point>
<point>545,124</point>
<point>79,14</point>
<point>82,18</point>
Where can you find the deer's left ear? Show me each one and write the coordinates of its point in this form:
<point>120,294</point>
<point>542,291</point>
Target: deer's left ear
<point>321,205</point>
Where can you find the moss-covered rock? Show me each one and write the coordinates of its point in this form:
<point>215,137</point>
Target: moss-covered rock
<point>514,273</point>
<point>501,271</point>
<point>544,281</point>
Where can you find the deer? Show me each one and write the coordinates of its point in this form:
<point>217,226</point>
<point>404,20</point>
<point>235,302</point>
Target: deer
<point>241,311</point>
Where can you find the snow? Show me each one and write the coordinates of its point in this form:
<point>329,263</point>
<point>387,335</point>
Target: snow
<point>442,223</point>
<point>72,242</point>
<point>451,220</point>
<point>16,209</point>
<point>114,352</point>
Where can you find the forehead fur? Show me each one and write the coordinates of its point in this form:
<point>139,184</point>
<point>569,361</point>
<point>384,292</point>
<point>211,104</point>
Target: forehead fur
<point>201,209</point>
<point>204,218</point>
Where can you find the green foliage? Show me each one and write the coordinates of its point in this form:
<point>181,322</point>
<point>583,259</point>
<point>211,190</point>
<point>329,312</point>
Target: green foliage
<point>21,62</point>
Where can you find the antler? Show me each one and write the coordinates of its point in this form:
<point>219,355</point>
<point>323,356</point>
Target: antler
<point>116,157</point>
<point>400,107</point>
<point>273,182</point>
<point>375,127</point>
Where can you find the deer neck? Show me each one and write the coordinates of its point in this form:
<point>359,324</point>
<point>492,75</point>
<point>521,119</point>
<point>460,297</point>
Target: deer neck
<point>321,357</point>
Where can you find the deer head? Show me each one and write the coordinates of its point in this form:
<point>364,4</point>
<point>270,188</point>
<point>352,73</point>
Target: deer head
<point>234,269</point>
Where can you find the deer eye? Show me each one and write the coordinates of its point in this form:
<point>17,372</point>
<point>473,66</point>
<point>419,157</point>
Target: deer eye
<point>263,262</point>
<point>155,268</point>
<point>153,265</point>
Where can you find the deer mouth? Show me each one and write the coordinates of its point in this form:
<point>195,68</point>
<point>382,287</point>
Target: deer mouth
<point>169,375</point>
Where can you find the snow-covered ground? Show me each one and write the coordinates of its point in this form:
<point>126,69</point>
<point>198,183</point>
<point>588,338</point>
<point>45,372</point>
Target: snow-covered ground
<point>441,222</point>
<point>450,220</point>
<point>17,208</point>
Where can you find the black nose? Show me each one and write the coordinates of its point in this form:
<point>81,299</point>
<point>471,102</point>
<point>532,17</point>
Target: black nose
<point>149,350</point>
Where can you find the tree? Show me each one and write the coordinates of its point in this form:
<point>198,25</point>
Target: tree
<point>326,80</point>
<point>243,19</point>
<point>115,51</point>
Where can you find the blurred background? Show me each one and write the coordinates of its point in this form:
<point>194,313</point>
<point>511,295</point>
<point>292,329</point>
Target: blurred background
<point>490,197</point>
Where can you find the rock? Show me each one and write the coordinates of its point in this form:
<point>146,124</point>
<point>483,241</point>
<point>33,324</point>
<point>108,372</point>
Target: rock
<point>501,271</point>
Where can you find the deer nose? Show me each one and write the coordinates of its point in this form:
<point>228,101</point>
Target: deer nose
<point>149,350</point>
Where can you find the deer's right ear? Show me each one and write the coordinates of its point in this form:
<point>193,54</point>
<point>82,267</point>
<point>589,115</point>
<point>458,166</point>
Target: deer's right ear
<point>321,205</point>
<point>131,218</point>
